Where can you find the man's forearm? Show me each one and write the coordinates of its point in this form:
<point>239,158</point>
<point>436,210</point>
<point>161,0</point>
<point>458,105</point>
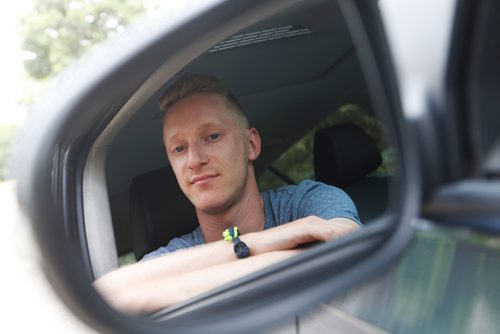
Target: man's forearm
<point>119,283</point>
<point>156,294</point>
<point>178,263</point>
<point>169,265</point>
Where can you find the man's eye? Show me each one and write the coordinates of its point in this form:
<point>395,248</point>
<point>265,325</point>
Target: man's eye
<point>213,136</point>
<point>178,149</point>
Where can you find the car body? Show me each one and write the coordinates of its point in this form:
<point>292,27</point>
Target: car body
<point>96,145</point>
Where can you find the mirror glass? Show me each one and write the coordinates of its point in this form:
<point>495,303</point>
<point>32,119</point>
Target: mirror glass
<point>313,146</point>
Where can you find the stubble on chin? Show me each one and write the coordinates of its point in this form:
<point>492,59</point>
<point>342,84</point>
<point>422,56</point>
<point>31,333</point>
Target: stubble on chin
<point>214,203</point>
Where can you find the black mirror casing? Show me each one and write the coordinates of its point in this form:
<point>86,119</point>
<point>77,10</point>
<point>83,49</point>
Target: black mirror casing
<point>58,140</point>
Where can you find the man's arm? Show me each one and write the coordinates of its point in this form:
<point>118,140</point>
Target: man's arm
<point>185,273</point>
<point>153,295</point>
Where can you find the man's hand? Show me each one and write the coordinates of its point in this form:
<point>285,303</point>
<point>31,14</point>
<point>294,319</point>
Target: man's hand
<point>300,231</point>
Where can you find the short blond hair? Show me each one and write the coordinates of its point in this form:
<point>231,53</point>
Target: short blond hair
<point>198,84</point>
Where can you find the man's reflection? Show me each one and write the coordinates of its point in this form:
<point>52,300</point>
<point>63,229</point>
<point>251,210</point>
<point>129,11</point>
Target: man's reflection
<point>211,148</point>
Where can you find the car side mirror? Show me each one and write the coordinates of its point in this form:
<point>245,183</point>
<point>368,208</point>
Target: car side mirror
<point>63,185</point>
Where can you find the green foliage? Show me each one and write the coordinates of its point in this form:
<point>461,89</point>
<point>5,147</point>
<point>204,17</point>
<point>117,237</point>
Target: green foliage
<point>297,162</point>
<point>269,181</point>
<point>55,34</point>
<point>7,133</point>
<point>127,259</point>
<point>59,31</point>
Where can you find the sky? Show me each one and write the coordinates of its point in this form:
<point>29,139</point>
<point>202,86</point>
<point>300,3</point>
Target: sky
<point>11,65</point>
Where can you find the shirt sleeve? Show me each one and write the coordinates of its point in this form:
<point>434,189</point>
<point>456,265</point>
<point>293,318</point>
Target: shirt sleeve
<point>324,201</point>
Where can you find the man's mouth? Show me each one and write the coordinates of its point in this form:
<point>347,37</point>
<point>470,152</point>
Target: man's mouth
<point>202,178</point>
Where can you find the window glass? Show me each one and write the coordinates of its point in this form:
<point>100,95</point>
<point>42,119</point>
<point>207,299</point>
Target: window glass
<point>296,164</point>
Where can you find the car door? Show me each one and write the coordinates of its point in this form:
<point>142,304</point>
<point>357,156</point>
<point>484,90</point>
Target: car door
<point>443,281</point>
<point>63,185</point>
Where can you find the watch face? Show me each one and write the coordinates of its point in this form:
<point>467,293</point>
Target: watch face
<point>241,249</point>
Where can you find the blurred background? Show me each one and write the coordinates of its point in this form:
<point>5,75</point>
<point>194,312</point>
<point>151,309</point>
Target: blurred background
<point>40,39</point>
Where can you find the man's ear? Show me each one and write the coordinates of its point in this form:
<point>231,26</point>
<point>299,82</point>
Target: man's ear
<point>254,144</point>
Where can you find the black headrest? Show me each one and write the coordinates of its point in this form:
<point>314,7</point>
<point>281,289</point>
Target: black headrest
<point>344,154</point>
<point>159,211</point>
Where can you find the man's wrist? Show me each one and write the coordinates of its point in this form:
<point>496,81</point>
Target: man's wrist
<point>240,248</point>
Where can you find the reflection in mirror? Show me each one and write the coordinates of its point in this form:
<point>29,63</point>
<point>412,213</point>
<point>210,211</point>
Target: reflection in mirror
<point>349,149</point>
<point>277,149</point>
<point>211,149</point>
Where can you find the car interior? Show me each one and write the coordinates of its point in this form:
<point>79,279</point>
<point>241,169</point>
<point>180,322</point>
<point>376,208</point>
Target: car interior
<point>298,78</point>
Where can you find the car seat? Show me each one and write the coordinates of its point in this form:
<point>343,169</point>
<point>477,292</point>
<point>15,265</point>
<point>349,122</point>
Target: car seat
<point>346,157</point>
<point>159,211</point>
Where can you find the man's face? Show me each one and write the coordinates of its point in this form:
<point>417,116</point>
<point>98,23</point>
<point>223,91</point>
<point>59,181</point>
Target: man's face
<point>209,153</point>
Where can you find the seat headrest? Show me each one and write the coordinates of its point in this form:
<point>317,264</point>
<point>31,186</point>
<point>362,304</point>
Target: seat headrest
<point>344,154</point>
<point>159,211</point>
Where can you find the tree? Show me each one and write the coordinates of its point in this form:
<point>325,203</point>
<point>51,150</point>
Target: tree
<point>58,32</point>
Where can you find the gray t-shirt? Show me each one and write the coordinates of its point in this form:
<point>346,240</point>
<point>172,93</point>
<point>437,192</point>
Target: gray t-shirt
<point>282,206</point>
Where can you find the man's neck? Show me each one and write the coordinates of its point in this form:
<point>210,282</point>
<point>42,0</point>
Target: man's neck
<point>247,214</point>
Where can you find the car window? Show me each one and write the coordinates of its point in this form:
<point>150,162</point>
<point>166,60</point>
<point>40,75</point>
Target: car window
<point>296,163</point>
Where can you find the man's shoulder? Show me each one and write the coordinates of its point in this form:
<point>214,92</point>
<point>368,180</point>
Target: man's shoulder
<point>308,198</point>
<point>298,189</point>
<point>289,199</point>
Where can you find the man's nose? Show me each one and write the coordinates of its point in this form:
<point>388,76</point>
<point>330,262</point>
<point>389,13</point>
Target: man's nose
<point>196,156</point>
